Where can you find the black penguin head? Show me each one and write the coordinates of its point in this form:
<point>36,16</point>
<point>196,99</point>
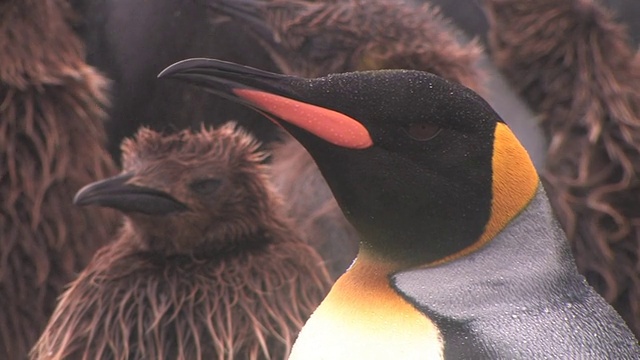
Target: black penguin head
<point>407,154</point>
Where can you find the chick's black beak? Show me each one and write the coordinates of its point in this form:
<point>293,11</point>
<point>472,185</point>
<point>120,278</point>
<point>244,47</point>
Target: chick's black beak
<point>250,12</point>
<point>117,193</point>
<point>276,97</point>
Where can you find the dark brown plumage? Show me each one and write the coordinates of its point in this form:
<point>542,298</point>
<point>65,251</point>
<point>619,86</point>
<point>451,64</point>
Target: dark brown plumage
<point>574,64</point>
<point>315,38</point>
<point>51,143</point>
<point>205,266</point>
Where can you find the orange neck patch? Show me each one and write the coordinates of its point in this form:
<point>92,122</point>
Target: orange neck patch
<point>331,126</point>
<point>363,317</point>
<point>515,182</point>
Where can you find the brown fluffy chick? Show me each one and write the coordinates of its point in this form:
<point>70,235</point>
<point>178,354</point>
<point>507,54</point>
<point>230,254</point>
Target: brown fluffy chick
<point>575,65</point>
<point>205,266</point>
<point>315,38</point>
<point>52,142</point>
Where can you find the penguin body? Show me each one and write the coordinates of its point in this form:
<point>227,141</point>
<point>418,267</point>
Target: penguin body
<point>533,297</point>
<point>545,47</point>
<point>365,317</point>
<point>442,195</point>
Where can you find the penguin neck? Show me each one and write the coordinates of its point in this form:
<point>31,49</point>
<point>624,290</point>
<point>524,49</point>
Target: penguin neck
<point>364,317</point>
<point>514,185</point>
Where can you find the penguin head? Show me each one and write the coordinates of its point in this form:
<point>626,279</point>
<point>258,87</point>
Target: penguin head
<point>189,190</point>
<point>409,156</point>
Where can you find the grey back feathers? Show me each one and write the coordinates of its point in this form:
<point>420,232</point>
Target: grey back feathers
<point>519,297</point>
<point>574,62</point>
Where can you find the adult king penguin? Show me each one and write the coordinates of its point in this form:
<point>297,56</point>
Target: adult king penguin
<point>460,257</point>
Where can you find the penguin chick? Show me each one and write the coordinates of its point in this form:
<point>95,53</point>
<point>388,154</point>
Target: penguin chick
<point>460,256</point>
<point>316,38</point>
<point>204,267</point>
<point>574,64</point>
<point>51,105</point>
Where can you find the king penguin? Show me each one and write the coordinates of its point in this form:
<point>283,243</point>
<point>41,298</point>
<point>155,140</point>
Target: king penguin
<point>460,255</point>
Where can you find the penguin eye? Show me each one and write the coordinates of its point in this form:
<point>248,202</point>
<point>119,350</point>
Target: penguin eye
<point>421,131</point>
<point>205,186</point>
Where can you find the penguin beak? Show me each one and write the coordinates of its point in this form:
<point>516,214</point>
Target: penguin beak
<point>117,193</point>
<point>249,12</point>
<point>252,13</point>
<point>275,96</point>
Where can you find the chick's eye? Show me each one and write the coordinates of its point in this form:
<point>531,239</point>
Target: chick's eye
<point>421,131</point>
<point>205,186</point>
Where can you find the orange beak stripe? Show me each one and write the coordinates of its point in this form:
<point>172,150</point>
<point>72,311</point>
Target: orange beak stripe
<point>329,125</point>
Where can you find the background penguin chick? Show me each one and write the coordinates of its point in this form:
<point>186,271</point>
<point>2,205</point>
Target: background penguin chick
<point>312,39</point>
<point>316,38</point>
<point>205,267</point>
<point>574,64</point>
<point>51,143</point>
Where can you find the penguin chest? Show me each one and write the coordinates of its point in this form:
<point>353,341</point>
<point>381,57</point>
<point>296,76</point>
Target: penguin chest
<point>363,317</point>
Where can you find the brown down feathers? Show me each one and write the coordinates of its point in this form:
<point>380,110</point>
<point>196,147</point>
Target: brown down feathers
<point>51,144</point>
